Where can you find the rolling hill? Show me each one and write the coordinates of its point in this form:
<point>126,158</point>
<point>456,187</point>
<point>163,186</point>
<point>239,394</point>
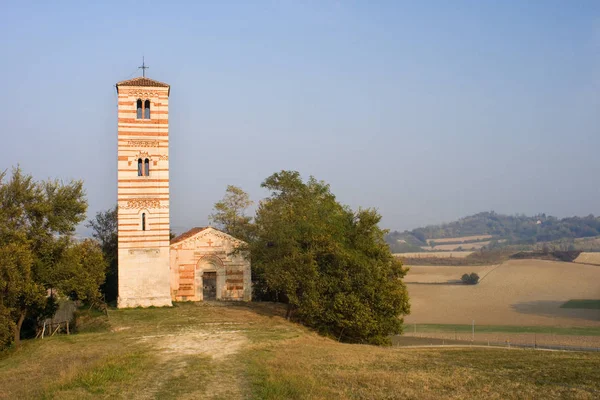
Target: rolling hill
<point>497,230</point>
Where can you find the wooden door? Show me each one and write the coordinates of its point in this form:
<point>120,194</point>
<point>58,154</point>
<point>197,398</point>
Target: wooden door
<point>209,283</point>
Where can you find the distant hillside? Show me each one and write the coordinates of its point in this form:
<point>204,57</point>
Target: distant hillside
<point>497,229</point>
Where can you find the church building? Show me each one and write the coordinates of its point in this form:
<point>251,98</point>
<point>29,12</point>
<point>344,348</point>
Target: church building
<point>200,264</point>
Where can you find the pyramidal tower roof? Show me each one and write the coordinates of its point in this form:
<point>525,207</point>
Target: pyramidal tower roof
<point>142,81</point>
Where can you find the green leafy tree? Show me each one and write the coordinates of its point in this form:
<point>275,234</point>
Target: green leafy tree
<point>82,269</point>
<point>230,213</point>
<point>330,264</point>
<point>37,222</point>
<point>104,227</point>
<point>470,279</point>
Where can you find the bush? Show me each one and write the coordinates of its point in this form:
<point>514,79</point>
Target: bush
<point>470,279</point>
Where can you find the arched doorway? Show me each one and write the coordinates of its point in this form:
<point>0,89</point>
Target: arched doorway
<point>209,278</point>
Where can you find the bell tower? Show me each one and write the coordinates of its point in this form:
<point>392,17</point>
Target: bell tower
<point>143,192</point>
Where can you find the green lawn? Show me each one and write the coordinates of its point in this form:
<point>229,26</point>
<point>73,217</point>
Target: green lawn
<point>233,351</point>
<point>430,328</point>
<point>585,304</point>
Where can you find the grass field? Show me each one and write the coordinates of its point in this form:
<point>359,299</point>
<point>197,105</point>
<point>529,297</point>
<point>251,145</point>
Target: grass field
<point>462,328</point>
<point>518,292</point>
<point>233,351</point>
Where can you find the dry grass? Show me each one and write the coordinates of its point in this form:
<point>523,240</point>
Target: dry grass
<point>588,258</point>
<point>147,353</point>
<point>222,351</point>
<point>315,368</point>
<point>437,254</point>
<point>518,292</point>
<point>460,239</point>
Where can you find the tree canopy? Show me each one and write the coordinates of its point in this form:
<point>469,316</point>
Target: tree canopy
<point>37,251</point>
<point>330,264</point>
<point>104,227</point>
<point>230,213</point>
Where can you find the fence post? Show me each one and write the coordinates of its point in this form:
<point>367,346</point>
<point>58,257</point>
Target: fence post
<point>473,332</point>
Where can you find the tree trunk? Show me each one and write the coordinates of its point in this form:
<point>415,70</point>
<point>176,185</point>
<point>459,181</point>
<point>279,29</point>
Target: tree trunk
<point>18,327</point>
<point>288,312</point>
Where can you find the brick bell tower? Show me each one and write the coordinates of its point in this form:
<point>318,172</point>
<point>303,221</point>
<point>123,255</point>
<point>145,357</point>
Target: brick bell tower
<point>143,193</point>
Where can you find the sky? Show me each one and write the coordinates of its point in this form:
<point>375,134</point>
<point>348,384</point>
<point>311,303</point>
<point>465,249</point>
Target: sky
<point>427,111</point>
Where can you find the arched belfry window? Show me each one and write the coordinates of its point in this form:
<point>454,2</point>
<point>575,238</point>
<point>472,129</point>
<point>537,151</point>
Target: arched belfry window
<point>140,167</point>
<point>147,109</point>
<point>143,221</point>
<point>139,109</point>
<point>146,167</point>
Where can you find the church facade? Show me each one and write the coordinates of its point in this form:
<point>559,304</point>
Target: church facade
<point>205,266</point>
<point>153,270</point>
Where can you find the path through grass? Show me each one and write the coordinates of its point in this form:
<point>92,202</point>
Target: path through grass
<point>237,351</point>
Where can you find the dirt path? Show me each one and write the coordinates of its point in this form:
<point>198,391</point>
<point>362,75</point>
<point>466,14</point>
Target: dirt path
<point>201,361</point>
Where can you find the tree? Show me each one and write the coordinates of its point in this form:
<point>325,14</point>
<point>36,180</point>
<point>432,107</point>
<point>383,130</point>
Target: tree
<point>37,222</point>
<point>229,213</point>
<point>470,279</point>
<point>82,270</point>
<point>104,226</point>
<point>331,265</point>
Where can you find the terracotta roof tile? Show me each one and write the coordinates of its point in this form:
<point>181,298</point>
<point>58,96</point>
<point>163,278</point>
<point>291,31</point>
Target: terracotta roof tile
<point>187,234</point>
<point>142,81</point>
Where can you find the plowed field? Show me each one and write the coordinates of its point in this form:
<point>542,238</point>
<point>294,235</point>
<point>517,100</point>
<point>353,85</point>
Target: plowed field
<point>518,292</point>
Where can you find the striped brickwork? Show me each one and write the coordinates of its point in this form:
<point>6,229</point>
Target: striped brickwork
<point>208,250</point>
<point>143,253</point>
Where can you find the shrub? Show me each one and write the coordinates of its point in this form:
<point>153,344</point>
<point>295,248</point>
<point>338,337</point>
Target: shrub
<point>470,279</point>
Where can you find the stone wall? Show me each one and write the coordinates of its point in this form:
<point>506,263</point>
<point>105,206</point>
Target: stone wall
<point>209,251</point>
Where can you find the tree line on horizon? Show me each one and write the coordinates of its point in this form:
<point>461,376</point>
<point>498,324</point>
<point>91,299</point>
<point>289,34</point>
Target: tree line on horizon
<point>513,229</point>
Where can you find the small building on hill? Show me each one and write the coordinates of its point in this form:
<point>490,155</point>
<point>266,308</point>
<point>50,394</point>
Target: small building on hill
<point>205,266</point>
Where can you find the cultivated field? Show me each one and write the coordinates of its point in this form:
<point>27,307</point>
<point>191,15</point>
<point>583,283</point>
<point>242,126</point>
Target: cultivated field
<point>460,239</point>
<point>437,274</point>
<point>518,292</point>
<point>588,258</point>
<point>238,351</point>
<point>438,254</point>
<point>450,247</point>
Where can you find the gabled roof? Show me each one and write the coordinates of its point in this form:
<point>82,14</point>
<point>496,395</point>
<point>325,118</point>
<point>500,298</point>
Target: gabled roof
<point>143,81</point>
<point>188,234</point>
<point>195,231</point>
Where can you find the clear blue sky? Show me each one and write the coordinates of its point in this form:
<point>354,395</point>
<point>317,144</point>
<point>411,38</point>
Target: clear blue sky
<point>428,111</point>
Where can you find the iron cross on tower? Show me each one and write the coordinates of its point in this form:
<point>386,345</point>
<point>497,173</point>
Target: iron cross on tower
<point>143,67</point>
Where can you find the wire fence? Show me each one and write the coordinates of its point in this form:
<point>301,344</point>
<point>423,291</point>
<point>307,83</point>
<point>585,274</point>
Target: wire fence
<point>428,335</point>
